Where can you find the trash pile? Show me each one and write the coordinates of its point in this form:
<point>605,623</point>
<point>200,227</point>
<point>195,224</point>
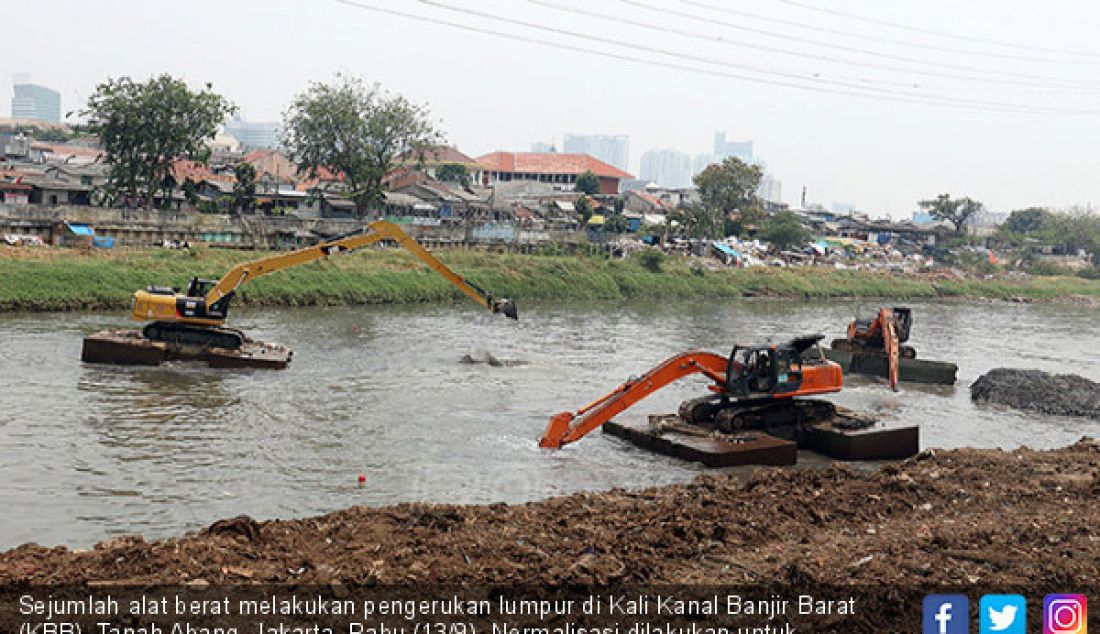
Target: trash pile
<point>1038,391</point>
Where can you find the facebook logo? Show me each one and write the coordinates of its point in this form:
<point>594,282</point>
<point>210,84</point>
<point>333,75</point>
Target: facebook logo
<point>946,614</point>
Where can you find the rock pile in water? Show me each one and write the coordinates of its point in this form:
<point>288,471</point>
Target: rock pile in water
<point>1038,391</point>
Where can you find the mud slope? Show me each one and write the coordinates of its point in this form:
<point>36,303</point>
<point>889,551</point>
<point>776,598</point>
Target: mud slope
<point>956,517</point>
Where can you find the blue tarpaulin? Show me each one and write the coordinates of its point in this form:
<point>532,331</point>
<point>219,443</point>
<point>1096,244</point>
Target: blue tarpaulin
<point>103,242</point>
<point>726,249</point>
<point>80,229</point>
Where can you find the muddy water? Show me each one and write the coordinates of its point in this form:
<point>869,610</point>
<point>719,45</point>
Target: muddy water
<point>87,452</point>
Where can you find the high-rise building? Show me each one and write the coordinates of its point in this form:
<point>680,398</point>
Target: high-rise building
<point>254,135</point>
<point>724,149</point>
<point>770,189</point>
<point>613,149</point>
<point>542,147</point>
<point>31,101</point>
<point>700,163</point>
<point>668,168</point>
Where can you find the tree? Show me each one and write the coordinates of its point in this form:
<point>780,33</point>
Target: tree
<point>588,183</point>
<point>784,230</point>
<point>453,173</point>
<point>190,192</point>
<point>357,131</point>
<point>1025,221</point>
<point>616,222</point>
<point>146,126</point>
<point>696,221</point>
<point>244,190</point>
<point>727,187</point>
<point>957,212</point>
<point>583,208</point>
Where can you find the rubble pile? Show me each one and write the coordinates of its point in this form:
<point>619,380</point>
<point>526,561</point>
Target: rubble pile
<point>1038,391</point>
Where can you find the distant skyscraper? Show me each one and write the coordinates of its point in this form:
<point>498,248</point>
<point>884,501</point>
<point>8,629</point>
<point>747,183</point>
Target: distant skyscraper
<point>31,101</point>
<point>770,189</point>
<point>542,148</point>
<point>700,163</point>
<point>254,135</point>
<point>667,168</point>
<point>613,149</point>
<point>724,149</point>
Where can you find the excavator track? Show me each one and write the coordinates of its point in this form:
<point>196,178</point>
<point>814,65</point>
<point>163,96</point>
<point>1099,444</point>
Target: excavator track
<point>772,415</point>
<point>189,335</point>
<point>728,416</point>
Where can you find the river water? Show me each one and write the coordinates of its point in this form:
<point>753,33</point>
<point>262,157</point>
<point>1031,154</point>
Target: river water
<point>92,451</point>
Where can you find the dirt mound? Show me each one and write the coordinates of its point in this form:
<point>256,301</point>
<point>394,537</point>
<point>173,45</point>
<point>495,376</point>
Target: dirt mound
<point>956,517</point>
<point>1038,391</point>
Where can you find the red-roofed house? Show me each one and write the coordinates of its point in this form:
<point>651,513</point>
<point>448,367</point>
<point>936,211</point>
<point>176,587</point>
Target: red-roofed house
<point>273,169</point>
<point>549,167</point>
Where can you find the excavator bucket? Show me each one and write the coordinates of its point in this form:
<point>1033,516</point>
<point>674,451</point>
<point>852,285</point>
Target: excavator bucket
<point>556,430</point>
<point>508,307</point>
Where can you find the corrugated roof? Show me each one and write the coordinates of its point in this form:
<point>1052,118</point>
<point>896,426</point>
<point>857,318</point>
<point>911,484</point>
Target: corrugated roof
<point>549,163</point>
<point>649,198</point>
<point>447,154</point>
<point>197,172</point>
<point>404,200</point>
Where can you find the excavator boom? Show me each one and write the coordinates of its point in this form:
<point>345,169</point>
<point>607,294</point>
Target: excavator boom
<point>204,308</point>
<point>378,230</point>
<point>568,427</point>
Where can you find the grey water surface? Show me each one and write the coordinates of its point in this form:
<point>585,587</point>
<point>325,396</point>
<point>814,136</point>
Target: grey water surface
<point>92,451</point>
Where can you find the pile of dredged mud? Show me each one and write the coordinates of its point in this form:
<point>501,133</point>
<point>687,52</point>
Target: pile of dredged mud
<point>1038,391</point>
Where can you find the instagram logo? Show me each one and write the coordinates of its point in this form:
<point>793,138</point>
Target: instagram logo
<point>1065,614</point>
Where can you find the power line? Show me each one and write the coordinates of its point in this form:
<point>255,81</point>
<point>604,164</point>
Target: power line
<point>886,40</point>
<point>944,34</point>
<point>695,58</point>
<point>843,47</point>
<point>978,8</point>
<point>719,39</point>
<point>810,76</point>
<point>856,91</point>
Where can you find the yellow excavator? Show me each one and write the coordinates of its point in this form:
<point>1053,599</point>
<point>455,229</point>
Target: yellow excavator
<point>197,317</point>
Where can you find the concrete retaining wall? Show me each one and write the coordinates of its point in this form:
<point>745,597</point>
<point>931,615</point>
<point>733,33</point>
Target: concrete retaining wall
<point>139,227</point>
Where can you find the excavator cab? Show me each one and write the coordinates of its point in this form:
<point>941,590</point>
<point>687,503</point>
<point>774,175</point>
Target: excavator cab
<point>769,370</point>
<point>198,287</point>
<point>903,319</point>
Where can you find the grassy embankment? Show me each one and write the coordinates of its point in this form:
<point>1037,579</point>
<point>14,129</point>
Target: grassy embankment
<point>62,279</point>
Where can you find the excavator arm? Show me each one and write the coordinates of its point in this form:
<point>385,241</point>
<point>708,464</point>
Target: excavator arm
<point>890,341</point>
<point>568,427</point>
<point>378,230</point>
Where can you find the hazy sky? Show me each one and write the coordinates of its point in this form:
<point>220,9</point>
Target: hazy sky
<point>1021,78</point>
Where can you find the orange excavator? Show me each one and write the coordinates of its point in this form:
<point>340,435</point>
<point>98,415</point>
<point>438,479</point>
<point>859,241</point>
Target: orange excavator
<point>754,387</point>
<point>884,334</point>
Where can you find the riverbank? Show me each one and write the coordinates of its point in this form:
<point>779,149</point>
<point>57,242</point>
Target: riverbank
<point>70,279</point>
<point>953,518</point>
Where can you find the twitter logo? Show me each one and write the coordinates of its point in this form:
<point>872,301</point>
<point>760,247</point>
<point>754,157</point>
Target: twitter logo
<point>1003,614</point>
